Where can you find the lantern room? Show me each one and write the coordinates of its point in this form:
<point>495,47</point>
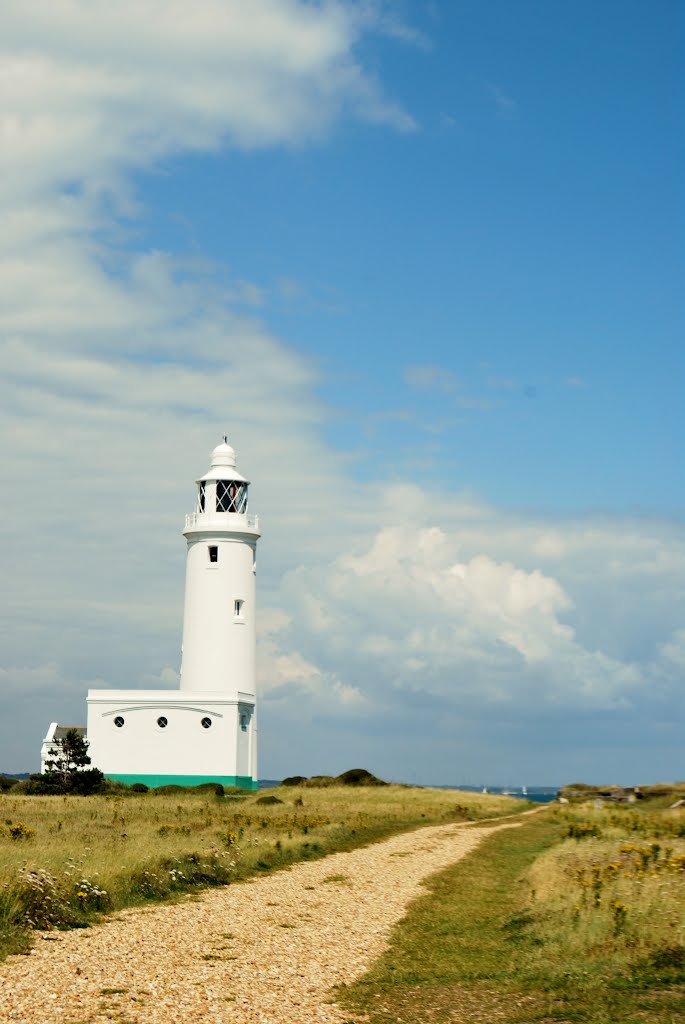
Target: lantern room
<point>223,488</point>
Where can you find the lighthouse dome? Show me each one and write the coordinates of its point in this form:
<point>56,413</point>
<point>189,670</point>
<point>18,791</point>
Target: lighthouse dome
<point>223,455</point>
<point>223,465</point>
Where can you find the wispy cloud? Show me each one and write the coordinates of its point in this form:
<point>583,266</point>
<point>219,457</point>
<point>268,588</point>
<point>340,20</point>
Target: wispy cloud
<point>470,402</point>
<point>504,102</point>
<point>430,378</point>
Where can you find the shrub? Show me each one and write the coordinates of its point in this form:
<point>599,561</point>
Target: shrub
<point>18,830</point>
<point>84,783</point>
<point>583,831</point>
<point>140,787</point>
<point>268,800</point>
<point>38,901</point>
<point>294,780</point>
<point>359,777</point>
<point>320,781</point>
<point>40,785</point>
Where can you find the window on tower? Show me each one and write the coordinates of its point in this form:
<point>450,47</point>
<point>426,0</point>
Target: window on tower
<point>238,608</point>
<point>213,553</point>
<point>231,496</point>
<point>201,497</point>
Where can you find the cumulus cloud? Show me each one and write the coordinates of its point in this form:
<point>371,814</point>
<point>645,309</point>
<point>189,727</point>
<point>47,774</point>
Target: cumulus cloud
<point>410,611</point>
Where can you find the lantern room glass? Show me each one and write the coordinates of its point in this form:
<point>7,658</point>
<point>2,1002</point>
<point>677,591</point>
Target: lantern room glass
<point>231,496</point>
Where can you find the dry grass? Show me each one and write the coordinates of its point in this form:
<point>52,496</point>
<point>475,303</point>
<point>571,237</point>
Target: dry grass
<point>612,901</point>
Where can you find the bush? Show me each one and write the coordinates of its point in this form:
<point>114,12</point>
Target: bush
<point>294,780</point>
<point>320,781</point>
<point>40,785</point>
<point>6,783</point>
<point>81,783</point>
<point>214,788</point>
<point>84,783</point>
<point>140,787</point>
<point>359,777</point>
<point>581,830</point>
<point>17,830</point>
<point>268,800</point>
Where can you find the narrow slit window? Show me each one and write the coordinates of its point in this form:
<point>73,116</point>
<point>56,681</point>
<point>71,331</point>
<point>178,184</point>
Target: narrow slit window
<point>238,608</point>
<point>201,497</point>
<point>213,553</point>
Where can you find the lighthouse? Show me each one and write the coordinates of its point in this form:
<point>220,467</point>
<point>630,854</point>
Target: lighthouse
<point>206,731</point>
<point>218,650</point>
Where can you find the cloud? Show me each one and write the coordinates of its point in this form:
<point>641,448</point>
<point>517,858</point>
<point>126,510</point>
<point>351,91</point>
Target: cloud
<point>93,89</point>
<point>430,378</point>
<point>410,610</point>
<point>470,622</point>
<point>505,103</point>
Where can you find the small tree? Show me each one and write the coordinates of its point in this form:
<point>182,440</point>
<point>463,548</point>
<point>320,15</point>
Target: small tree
<point>70,756</point>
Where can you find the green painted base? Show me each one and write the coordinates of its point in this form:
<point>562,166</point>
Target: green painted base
<point>154,781</point>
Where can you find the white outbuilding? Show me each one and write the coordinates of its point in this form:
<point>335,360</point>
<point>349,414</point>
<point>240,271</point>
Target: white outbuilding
<point>206,731</point>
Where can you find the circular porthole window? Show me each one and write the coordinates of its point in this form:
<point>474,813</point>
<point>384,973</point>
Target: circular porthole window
<point>118,721</point>
<point>206,723</point>
<point>162,722</point>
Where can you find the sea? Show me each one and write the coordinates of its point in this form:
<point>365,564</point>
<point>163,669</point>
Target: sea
<point>538,794</point>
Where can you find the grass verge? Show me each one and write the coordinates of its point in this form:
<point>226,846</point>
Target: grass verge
<point>485,946</point>
<point>66,860</point>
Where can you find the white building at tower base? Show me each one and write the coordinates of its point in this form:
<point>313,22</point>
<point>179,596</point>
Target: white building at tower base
<point>206,731</point>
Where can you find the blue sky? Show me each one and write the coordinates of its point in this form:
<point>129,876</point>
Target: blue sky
<point>526,237</point>
<point>423,263</point>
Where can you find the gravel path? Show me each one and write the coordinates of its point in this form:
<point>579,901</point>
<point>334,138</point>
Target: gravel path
<point>267,950</point>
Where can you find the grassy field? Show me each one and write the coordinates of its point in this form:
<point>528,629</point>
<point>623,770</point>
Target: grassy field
<point>579,915</point>
<point>64,860</point>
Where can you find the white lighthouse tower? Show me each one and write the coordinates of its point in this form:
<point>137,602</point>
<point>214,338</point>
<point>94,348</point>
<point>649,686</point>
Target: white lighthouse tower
<point>205,731</point>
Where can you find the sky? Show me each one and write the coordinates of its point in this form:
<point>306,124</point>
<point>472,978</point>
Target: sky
<point>422,262</point>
